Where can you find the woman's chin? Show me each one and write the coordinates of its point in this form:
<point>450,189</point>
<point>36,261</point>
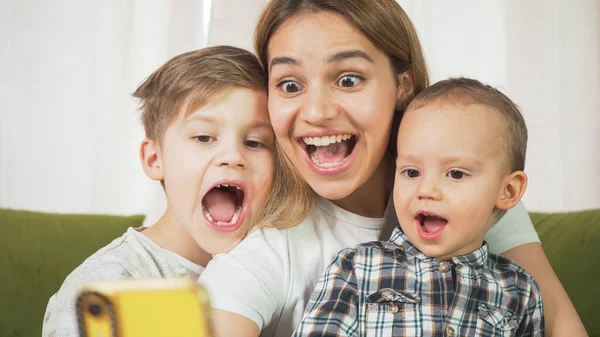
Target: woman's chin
<point>332,188</point>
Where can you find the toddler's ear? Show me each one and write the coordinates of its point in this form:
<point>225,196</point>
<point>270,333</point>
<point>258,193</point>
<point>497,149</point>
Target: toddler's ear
<point>151,161</point>
<point>512,191</point>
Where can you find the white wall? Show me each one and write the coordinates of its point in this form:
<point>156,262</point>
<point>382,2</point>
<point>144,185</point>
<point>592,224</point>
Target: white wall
<point>69,130</point>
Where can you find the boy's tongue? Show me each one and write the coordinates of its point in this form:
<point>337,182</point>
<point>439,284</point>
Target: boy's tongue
<point>333,153</point>
<point>220,204</point>
<point>432,224</point>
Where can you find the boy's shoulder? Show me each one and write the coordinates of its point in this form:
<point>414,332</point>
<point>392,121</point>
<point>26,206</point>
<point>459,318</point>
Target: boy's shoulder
<point>510,279</point>
<point>506,269</point>
<point>112,261</point>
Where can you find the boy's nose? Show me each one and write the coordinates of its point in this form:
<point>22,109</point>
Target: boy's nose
<point>319,107</point>
<point>231,156</point>
<point>428,189</point>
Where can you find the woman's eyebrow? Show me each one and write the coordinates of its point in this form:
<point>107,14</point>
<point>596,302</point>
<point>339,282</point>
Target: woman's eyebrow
<point>283,60</point>
<point>349,54</point>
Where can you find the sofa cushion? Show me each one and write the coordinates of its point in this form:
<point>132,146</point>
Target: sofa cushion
<point>571,242</point>
<point>37,251</point>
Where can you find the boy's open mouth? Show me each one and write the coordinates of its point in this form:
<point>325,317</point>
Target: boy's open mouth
<point>223,204</point>
<point>431,225</point>
<point>329,151</point>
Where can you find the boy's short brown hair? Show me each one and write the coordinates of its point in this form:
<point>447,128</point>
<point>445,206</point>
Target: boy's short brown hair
<point>469,91</point>
<point>189,80</point>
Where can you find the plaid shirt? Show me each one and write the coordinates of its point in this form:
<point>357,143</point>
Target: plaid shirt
<point>392,289</point>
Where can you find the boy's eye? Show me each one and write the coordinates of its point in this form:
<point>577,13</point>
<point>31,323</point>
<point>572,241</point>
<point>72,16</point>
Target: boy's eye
<point>290,87</point>
<point>253,144</point>
<point>412,173</point>
<point>456,174</point>
<point>203,138</point>
<point>349,81</point>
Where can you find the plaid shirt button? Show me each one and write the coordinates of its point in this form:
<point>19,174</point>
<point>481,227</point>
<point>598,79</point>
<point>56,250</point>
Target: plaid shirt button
<point>393,308</point>
<point>450,331</point>
<point>444,268</point>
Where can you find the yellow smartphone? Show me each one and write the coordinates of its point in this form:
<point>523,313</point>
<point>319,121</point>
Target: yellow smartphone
<point>144,308</point>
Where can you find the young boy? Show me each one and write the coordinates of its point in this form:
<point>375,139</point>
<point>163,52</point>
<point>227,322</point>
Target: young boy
<point>461,155</point>
<point>210,143</point>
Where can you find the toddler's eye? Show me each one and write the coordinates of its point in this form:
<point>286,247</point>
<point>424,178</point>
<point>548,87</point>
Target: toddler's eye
<point>290,87</point>
<point>456,174</point>
<point>253,144</point>
<point>203,138</point>
<point>412,173</point>
<point>349,81</point>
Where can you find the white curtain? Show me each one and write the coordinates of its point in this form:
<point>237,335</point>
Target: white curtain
<point>69,129</point>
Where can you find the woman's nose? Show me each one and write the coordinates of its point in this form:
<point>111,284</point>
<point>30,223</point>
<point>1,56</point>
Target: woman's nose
<point>319,107</point>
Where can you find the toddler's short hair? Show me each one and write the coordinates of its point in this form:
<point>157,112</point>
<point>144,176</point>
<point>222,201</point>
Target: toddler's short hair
<point>469,91</point>
<point>190,80</point>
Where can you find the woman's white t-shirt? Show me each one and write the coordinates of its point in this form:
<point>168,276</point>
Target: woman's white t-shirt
<point>271,274</point>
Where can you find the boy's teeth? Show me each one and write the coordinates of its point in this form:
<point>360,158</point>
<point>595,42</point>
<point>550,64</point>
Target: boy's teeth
<point>234,219</point>
<point>325,140</point>
<point>229,185</point>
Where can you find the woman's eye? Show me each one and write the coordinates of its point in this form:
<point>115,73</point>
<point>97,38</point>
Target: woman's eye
<point>412,173</point>
<point>349,81</point>
<point>203,139</point>
<point>456,174</point>
<point>253,144</point>
<point>290,87</point>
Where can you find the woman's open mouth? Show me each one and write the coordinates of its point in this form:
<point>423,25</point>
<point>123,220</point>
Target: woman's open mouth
<point>223,206</point>
<point>330,154</point>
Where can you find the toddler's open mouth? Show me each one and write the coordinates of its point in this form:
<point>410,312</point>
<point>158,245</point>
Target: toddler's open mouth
<point>430,226</point>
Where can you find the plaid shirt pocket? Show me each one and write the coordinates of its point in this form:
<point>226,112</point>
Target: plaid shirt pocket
<point>496,321</point>
<point>387,305</point>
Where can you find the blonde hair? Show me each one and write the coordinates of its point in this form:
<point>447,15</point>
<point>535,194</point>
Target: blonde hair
<point>189,81</point>
<point>291,198</point>
<point>383,22</point>
<point>469,91</point>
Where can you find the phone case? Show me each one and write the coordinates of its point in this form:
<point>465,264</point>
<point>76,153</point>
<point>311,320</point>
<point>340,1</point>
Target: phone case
<point>148,308</point>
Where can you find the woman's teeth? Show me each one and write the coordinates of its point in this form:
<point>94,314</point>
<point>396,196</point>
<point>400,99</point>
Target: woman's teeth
<point>325,140</point>
<point>313,157</point>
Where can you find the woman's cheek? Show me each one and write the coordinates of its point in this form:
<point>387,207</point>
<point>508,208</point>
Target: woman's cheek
<point>281,113</point>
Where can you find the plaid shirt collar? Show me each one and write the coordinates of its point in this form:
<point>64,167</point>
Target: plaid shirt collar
<point>475,259</point>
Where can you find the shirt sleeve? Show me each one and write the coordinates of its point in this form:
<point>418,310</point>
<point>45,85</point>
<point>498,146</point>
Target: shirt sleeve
<point>513,229</point>
<point>533,320</point>
<point>60,319</point>
<point>333,306</point>
<point>251,280</point>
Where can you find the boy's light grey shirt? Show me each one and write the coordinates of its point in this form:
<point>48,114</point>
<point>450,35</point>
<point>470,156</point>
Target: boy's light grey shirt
<point>131,256</point>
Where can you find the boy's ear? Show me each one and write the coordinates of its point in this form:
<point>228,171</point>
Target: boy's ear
<point>151,159</point>
<point>513,188</point>
<point>406,89</point>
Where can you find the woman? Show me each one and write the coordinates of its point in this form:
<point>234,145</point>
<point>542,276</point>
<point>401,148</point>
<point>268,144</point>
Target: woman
<point>339,73</point>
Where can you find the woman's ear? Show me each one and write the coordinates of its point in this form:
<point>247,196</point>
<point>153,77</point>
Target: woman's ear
<point>513,187</point>
<point>151,159</point>
<point>406,89</point>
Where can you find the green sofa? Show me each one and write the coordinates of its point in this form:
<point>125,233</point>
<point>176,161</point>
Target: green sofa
<point>38,250</point>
